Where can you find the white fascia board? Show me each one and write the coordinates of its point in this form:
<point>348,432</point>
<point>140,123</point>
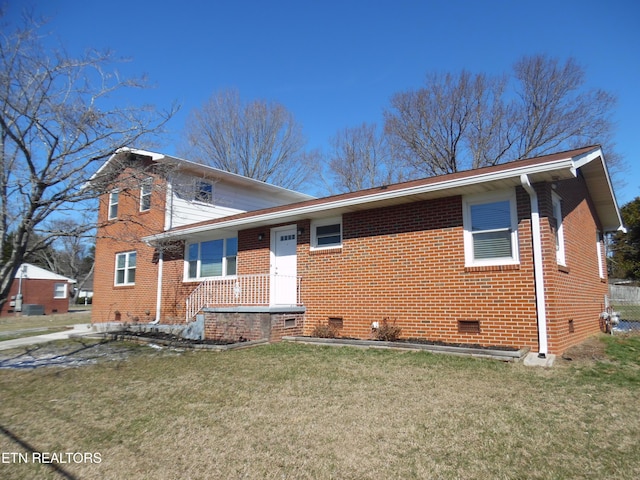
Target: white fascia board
<point>274,217</point>
<point>205,169</point>
<point>588,157</point>
<point>250,182</point>
<point>154,156</point>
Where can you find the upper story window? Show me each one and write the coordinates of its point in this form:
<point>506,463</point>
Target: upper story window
<point>125,268</point>
<point>326,233</point>
<point>213,258</point>
<point>204,192</point>
<point>145,194</point>
<point>490,229</point>
<point>113,205</point>
<point>558,231</point>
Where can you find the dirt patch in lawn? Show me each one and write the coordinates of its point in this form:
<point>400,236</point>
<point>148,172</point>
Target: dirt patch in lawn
<point>72,353</point>
<point>590,351</point>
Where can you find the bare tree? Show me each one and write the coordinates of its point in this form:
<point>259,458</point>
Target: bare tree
<point>457,122</point>
<point>69,255</point>
<point>58,124</point>
<point>441,128</point>
<point>554,110</point>
<point>361,158</point>
<point>259,140</point>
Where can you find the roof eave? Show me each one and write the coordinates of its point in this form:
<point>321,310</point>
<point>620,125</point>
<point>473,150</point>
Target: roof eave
<point>563,168</point>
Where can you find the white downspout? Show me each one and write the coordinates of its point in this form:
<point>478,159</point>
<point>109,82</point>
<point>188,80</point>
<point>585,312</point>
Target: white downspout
<point>538,267</point>
<point>159,290</point>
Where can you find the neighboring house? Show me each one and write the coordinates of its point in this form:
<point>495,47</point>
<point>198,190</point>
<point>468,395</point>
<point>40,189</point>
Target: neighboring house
<point>152,193</point>
<point>508,256</point>
<point>85,292</point>
<point>36,291</point>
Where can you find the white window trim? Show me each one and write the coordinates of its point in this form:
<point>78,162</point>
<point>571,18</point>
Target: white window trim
<point>321,223</point>
<point>556,204</point>
<point>112,203</point>
<point>479,199</point>
<point>147,182</point>
<point>198,278</point>
<point>55,290</point>
<point>127,256</point>
<point>600,250</point>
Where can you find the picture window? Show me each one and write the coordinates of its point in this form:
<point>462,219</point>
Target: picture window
<point>213,258</point>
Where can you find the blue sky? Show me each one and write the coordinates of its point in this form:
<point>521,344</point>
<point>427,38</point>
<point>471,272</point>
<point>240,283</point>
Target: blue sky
<point>335,64</point>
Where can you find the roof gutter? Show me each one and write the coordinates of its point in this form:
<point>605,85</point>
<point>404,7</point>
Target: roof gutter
<point>538,267</point>
<point>303,210</point>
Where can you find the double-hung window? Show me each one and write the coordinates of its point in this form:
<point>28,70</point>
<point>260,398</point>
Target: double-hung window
<point>145,194</point>
<point>59,290</point>
<point>213,258</point>
<point>600,251</point>
<point>125,268</point>
<point>490,229</point>
<point>556,224</point>
<point>326,233</point>
<point>113,205</point>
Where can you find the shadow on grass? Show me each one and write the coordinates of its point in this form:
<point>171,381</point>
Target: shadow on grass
<point>46,355</point>
<point>31,449</point>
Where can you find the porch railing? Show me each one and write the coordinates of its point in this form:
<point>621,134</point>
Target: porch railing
<point>246,290</point>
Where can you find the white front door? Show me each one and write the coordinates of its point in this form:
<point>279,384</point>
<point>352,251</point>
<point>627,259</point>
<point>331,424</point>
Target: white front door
<point>284,266</point>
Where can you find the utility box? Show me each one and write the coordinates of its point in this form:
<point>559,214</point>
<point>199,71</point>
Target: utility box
<point>32,309</point>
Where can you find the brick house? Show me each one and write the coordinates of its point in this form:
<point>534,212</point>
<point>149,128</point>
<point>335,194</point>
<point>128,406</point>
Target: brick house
<point>151,193</point>
<point>510,255</point>
<point>42,291</point>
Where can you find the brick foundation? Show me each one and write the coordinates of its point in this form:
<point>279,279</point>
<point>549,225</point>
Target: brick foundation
<point>251,325</point>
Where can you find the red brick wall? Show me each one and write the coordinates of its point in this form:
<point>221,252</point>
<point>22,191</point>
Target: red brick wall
<point>406,264</point>
<point>137,302</point>
<point>576,292</point>
<point>252,325</point>
<point>38,292</point>
<point>284,324</point>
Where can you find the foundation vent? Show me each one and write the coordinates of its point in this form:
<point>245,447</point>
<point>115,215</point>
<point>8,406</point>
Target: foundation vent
<point>335,322</point>
<point>469,326</point>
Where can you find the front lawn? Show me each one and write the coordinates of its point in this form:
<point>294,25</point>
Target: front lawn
<point>299,411</point>
<point>18,326</point>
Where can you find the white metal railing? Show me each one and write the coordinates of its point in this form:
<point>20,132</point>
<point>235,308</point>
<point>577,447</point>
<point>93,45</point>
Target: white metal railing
<point>248,290</point>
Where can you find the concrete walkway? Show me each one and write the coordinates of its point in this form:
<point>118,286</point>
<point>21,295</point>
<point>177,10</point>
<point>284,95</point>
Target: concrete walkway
<point>77,330</point>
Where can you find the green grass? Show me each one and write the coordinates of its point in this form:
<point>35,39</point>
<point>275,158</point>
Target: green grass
<point>299,411</point>
<point>18,327</point>
<point>622,366</point>
<point>630,313</point>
